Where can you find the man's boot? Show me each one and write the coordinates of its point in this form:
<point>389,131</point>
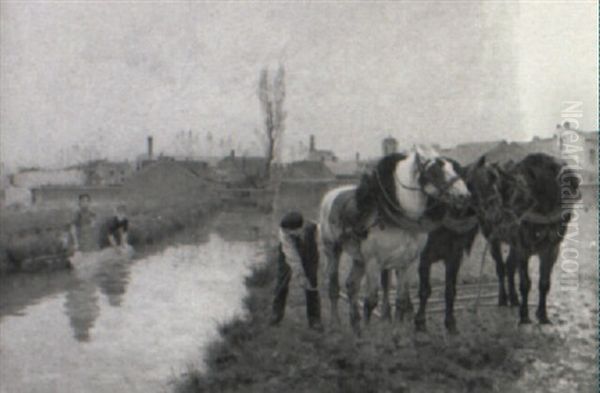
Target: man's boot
<point>313,310</point>
<point>278,306</point>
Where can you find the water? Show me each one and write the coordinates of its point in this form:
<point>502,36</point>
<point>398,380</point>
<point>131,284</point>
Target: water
<point>128,325</point>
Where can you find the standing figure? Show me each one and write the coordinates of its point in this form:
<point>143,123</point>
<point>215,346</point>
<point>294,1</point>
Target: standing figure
<point>83,227</point>
<point>297,247</point>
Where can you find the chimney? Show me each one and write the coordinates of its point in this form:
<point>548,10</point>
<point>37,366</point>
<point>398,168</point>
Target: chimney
<point>312,143</point>
<point>232,153</point>
<point>357,157</point>
<point>150,147</point>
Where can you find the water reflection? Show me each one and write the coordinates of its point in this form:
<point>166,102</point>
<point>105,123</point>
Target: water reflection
<point>110,274</point>
<point>123,325</point>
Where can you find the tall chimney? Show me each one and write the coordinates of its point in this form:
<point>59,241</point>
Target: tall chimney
<point>357,157</point>
<point>150,147</point>
<point>232,153</point>
<point>312,143</point>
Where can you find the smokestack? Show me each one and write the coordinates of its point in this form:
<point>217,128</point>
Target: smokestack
<point>312,143</point>
<point>357,157</point>
<point>150,147</point>
<point>232,153</point>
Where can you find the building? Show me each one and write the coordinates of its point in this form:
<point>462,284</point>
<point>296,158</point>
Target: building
<point>106,173</point>
<point>316,170</point>
<point>389,145</point>
<point>504,152</point>
<point>147,158</point>
<point>242,171</point>
<point>467,153</point>
<point>166,183</point>
<point>33,178</point>
<point>579,148</point>
<point>315,154</point>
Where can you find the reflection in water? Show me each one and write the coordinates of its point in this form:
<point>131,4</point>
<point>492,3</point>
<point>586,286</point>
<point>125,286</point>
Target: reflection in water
<point>111,274</point>
<point>124,325</point>
<point>81,306</point>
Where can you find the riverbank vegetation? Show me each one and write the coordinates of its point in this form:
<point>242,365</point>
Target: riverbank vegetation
<point>39,241</point>
<point>252,356</point>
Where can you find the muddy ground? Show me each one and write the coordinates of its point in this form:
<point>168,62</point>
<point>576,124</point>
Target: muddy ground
<point>491,353</point>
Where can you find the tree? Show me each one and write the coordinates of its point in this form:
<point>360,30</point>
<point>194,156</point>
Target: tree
<point>271,95</point>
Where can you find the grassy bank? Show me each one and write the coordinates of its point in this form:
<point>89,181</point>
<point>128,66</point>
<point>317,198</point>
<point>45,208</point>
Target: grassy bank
<point>254,357</point>
<point>38,241</point>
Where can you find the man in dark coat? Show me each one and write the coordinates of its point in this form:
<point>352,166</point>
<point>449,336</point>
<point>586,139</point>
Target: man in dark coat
<point>297,247</point>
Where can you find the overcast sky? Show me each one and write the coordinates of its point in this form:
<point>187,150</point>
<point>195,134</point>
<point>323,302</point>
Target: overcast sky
<point>108,74</point>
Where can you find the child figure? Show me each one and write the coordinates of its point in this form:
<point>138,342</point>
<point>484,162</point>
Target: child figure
<point>297,247</point>
<point>118,229</point>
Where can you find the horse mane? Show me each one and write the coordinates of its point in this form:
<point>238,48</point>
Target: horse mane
<point>381,179</point>
<point>541,173</point>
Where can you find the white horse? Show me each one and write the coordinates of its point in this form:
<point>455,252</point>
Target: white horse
<point>383,224</point>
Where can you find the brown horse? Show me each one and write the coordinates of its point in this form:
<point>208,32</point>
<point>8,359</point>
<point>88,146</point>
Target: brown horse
<point>523,206</point>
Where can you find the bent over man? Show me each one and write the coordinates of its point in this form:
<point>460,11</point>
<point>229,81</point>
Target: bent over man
<point>297,247</point>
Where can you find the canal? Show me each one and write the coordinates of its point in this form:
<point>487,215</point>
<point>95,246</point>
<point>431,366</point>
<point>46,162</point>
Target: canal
<point>125,325</point>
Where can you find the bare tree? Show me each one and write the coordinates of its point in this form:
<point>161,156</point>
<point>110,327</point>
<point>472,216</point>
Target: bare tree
<point>271,95</point>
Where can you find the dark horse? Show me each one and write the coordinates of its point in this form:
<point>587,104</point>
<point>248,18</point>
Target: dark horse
<point>523,205</point>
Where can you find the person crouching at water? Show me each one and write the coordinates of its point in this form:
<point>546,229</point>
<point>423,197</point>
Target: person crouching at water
<point>83,227</point>
<point>297,247</point>
<point>118,227</point>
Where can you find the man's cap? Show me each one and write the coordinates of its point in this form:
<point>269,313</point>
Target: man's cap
<point>291,221</point>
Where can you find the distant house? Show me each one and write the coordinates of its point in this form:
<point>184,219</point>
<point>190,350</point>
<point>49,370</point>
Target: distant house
<point>467,153</point>
<point>166,182</point>
<point>316,170</point>
<point>580,148</point>
<point>389,145</point>
<point>346,170</point>
<point>106,173</point>
<point>32,178</point>
<point>201,169</point>
<point>542,145</point>
<point>504,152</point>
<point>315,154</point>
<point>242,171</point>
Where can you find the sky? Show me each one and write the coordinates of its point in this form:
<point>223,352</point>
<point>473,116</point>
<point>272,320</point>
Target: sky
<point>103,75</point>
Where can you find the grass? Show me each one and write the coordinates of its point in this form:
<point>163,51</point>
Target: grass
<point>34,241</point>
<point>252,356</point>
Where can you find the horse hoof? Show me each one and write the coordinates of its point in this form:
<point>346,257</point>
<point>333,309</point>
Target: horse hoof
<point>451,329</point>
<point>421,326</point>
<point>514,302</point>
<point>543,318</point>
<point>524,321</point>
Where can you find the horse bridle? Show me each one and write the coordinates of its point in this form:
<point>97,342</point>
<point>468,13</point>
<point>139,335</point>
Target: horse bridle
<point>437,198</point>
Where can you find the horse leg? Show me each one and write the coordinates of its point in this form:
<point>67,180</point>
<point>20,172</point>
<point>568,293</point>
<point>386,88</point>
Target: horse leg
<point>452,266</point>
<point>547,258</point>
<point>352,287</point>
<point>333,252</point>
<point>386,309</point>
<point>496,253</point>
<point>403,304</point>
<point>372,290</point>
<point>511,266</point>
<point>524,286</point>
<point>424,292</point>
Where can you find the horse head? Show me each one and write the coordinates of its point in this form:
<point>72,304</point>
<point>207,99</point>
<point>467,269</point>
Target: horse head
<point>440,178</point>
<point>500,193</point>
<point>484,182</point>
